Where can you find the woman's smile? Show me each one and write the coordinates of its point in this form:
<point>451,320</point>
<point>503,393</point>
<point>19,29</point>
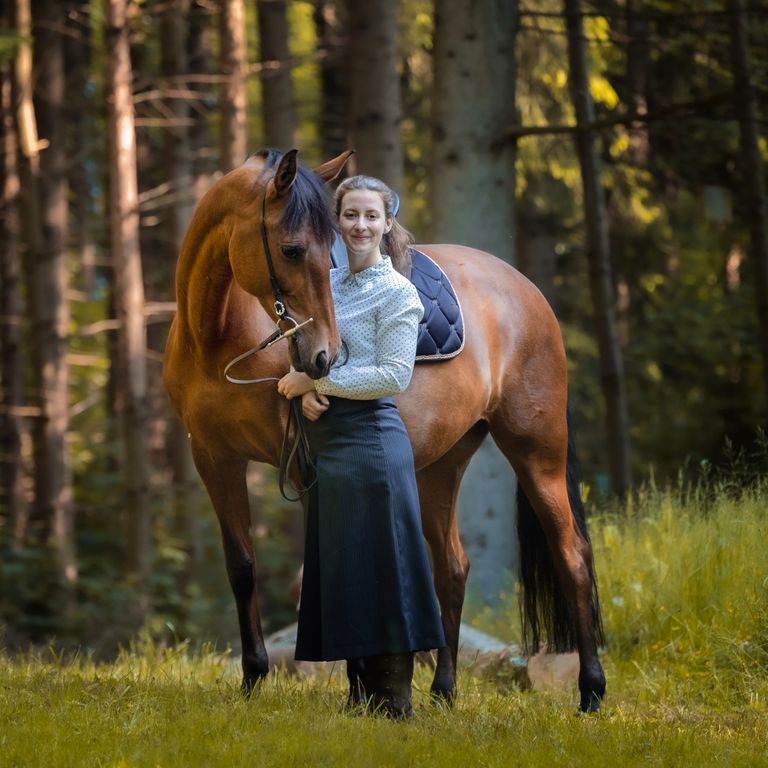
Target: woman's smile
<point>363,223</point>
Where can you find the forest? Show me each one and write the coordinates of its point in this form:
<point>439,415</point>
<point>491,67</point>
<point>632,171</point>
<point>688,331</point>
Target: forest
<point>614,151</point>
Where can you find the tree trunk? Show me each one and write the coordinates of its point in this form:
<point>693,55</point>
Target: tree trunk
<point>128,289</point>
<point>752,167</point>
<point>14,513</point>
<point>199,58</point>
<point>473,171</point>
<point>48,297</point>
<point>179,171</point>
<point>598,255</point>
<point>375,112</point>
<point>234,134</point>
<point>333,103</point>
<point>278,114</point>
<point>637,64</point>
<point>77,48</point>
<point>29,204</point>
<point>177,150</point>
<point>537,258</point>
<point>472,202</point>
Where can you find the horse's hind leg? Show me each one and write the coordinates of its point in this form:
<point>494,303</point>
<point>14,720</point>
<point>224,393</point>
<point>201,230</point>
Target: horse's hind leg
<point>438,492</point>
<point>559,589</point>
<point>226,485</point>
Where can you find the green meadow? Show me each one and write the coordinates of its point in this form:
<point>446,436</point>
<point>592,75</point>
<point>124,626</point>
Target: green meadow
<point>684,586</point>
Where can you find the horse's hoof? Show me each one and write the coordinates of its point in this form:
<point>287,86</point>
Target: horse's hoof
<point>443,696</point>
<point>251,685</point>
<point>592,689</point>
<point>250,688</point>
<point>255,669</point>
<point>590,703</point>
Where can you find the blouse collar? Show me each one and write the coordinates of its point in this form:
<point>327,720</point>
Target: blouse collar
<point>369,273</point>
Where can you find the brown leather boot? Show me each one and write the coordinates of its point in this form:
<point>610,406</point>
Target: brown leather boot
<point>387,682</point>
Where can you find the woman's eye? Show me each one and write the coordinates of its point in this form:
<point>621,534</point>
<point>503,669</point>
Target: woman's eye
<point>292,252</point>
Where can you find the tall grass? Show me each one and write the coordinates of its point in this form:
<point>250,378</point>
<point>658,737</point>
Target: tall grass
<point>684,583</point>
<point>683,577</point>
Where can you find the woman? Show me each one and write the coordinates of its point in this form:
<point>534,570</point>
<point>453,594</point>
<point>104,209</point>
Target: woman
<point>367,592</point>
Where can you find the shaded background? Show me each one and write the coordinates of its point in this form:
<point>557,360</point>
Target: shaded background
<point>613,151</point>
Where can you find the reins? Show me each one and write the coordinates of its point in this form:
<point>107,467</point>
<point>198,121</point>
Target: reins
<point>299,449</point>
<point>278,335</point>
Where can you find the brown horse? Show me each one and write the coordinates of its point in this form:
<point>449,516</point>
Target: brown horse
<point>510,379</point>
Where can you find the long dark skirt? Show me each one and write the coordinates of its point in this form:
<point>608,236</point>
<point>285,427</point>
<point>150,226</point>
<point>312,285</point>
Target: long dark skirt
<point>367,587</point>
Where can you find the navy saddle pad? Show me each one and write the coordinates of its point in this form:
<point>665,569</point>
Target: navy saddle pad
<point>441,331</point>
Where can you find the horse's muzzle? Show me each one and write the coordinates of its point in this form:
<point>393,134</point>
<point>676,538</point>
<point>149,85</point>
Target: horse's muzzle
<point>321,363</point>
<point>315,366</point>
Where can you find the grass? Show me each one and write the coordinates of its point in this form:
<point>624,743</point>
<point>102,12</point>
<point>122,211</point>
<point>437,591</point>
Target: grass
<point>684,582</point>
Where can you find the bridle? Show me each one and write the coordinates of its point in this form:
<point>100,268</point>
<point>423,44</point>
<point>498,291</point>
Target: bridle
<point>299,448</point>
<point>278,304</point>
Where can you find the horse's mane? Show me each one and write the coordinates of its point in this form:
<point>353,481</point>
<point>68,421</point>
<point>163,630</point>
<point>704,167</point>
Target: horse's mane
<point>307,202</point>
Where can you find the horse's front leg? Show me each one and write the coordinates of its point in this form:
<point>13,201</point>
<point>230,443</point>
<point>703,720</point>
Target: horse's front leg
<point>224,478</point>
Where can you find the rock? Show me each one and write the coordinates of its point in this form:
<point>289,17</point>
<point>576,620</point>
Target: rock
<point>485,655</point>
<point>491,658</point>
<point>281,646</point>
<point>553,670</point>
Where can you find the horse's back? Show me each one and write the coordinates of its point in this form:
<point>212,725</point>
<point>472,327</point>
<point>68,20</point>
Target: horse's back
<point>513,355</point>
<point>496,298</point>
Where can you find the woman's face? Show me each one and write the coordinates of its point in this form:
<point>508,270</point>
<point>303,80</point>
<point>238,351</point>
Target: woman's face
<point>363,222</point>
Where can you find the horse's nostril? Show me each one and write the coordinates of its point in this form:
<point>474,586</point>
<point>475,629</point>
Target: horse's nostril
<point>321,361</point>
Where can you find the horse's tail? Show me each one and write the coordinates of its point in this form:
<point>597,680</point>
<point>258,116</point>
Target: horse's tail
<point>546,612</point>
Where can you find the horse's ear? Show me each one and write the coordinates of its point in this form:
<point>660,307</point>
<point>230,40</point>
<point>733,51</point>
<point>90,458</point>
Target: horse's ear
<point>330,170</point>
<point>286,172</point>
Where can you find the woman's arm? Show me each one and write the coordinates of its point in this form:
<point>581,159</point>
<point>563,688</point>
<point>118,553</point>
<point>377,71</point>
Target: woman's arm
<point>396,335</point>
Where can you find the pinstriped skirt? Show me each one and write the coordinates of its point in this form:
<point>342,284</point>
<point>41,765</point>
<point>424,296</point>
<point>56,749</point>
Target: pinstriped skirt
<point>367,587</point>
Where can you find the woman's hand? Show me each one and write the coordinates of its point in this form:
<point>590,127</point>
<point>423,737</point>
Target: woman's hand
<point>314,405</point>
<point>295,384</point>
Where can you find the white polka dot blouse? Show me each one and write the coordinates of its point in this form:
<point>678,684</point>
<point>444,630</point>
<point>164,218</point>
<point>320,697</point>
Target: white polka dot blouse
<point>378,313</point>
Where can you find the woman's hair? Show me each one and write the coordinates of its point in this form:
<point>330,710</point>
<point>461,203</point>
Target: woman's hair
<point>395,242</point>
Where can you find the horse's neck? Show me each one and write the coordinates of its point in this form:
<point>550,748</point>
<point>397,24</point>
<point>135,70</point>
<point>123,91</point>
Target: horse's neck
<point>203,282</point>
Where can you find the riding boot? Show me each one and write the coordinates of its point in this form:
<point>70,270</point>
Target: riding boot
<point>388,684</point>
<point>356,677</point>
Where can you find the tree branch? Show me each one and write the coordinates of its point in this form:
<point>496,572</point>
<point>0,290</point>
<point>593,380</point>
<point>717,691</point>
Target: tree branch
<point>682,109</point>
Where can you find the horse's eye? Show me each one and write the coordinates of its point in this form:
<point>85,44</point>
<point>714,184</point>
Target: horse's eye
<point>292,252</point>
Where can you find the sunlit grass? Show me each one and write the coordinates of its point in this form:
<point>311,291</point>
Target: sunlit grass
<point>177,710</point>
<point>685,593</point>
<point>684,581</point>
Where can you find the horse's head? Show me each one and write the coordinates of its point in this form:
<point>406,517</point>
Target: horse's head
<point>280,253</point>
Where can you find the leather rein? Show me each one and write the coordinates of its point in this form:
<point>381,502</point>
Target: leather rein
<point>298,449</point>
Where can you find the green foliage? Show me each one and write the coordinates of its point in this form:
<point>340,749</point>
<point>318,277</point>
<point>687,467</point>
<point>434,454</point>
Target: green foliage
<point>679,245</point>
<point>9,45</point>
